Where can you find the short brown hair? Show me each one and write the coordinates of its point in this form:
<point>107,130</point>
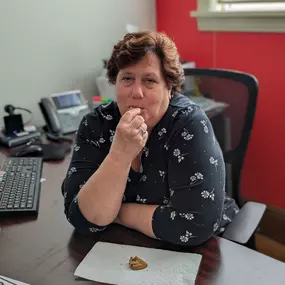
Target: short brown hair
<point>134,46</point>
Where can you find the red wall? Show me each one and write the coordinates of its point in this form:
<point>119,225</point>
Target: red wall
<point>261,54</point>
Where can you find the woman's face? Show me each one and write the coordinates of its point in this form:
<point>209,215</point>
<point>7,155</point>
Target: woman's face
<point>142,85</point>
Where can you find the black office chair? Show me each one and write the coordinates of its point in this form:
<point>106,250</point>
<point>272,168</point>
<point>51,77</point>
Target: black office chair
<point>229,99</point>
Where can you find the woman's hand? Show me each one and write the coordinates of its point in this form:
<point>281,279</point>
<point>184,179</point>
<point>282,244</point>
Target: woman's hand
<point>131,135</point>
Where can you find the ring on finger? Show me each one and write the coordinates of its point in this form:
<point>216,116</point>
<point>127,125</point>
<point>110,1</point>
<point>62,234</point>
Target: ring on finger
<point>143,131</point>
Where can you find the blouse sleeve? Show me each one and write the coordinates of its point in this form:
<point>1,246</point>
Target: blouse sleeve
<point>88,153</point>
<point>196,177</point>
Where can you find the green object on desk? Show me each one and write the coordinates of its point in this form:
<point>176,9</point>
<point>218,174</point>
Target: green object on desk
<point>106,99</point>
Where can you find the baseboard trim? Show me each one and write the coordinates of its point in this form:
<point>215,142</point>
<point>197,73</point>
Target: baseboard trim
<point>272,224</point>
<point>270,247</point>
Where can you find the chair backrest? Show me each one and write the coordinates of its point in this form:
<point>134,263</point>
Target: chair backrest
<point>235,95</point>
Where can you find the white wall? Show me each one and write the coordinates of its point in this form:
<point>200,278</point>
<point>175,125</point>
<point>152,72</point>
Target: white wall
<point>49,46</point>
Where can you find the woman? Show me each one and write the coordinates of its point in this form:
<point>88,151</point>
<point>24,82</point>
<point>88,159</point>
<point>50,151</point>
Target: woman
<point>149,161</point>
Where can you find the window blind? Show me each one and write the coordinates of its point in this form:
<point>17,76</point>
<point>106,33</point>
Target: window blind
<point>250,1</point>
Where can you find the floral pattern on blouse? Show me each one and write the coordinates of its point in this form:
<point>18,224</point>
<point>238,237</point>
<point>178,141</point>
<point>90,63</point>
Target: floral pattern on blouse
<point>182,172</point>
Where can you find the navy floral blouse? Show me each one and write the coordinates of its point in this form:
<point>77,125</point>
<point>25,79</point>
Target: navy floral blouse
<point>182,171</point>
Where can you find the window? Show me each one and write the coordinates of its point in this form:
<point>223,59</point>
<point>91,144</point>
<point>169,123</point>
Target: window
<point>248,16</point>
<point>251,7</point>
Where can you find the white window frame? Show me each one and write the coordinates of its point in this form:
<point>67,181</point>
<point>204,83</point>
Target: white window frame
<point>208,19</point>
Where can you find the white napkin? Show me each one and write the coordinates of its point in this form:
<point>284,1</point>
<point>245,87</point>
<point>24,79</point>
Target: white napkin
<point>11,281</point>
<point>108,263</point>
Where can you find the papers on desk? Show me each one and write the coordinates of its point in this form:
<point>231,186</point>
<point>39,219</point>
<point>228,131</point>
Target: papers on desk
<point>208,104</point>
<point>9,281</point>
<point>108,263</point>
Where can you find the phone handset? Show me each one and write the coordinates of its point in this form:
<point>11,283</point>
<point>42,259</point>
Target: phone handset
<point>49,113</point>
<point>53,126</point>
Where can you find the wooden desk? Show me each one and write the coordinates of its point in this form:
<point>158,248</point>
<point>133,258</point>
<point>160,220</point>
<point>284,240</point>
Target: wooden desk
<point>46,250</point>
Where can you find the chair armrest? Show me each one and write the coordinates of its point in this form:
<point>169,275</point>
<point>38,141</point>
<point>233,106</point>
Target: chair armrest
<point>245,223</point>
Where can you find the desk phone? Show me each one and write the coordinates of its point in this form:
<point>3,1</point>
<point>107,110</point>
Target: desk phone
<point>64,111</point>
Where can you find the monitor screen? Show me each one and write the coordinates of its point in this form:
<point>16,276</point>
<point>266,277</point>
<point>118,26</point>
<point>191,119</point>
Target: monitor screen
<point>67,100</point>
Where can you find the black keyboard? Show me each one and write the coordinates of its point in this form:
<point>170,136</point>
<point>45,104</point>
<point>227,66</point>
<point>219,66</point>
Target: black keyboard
<point>20,186</point>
